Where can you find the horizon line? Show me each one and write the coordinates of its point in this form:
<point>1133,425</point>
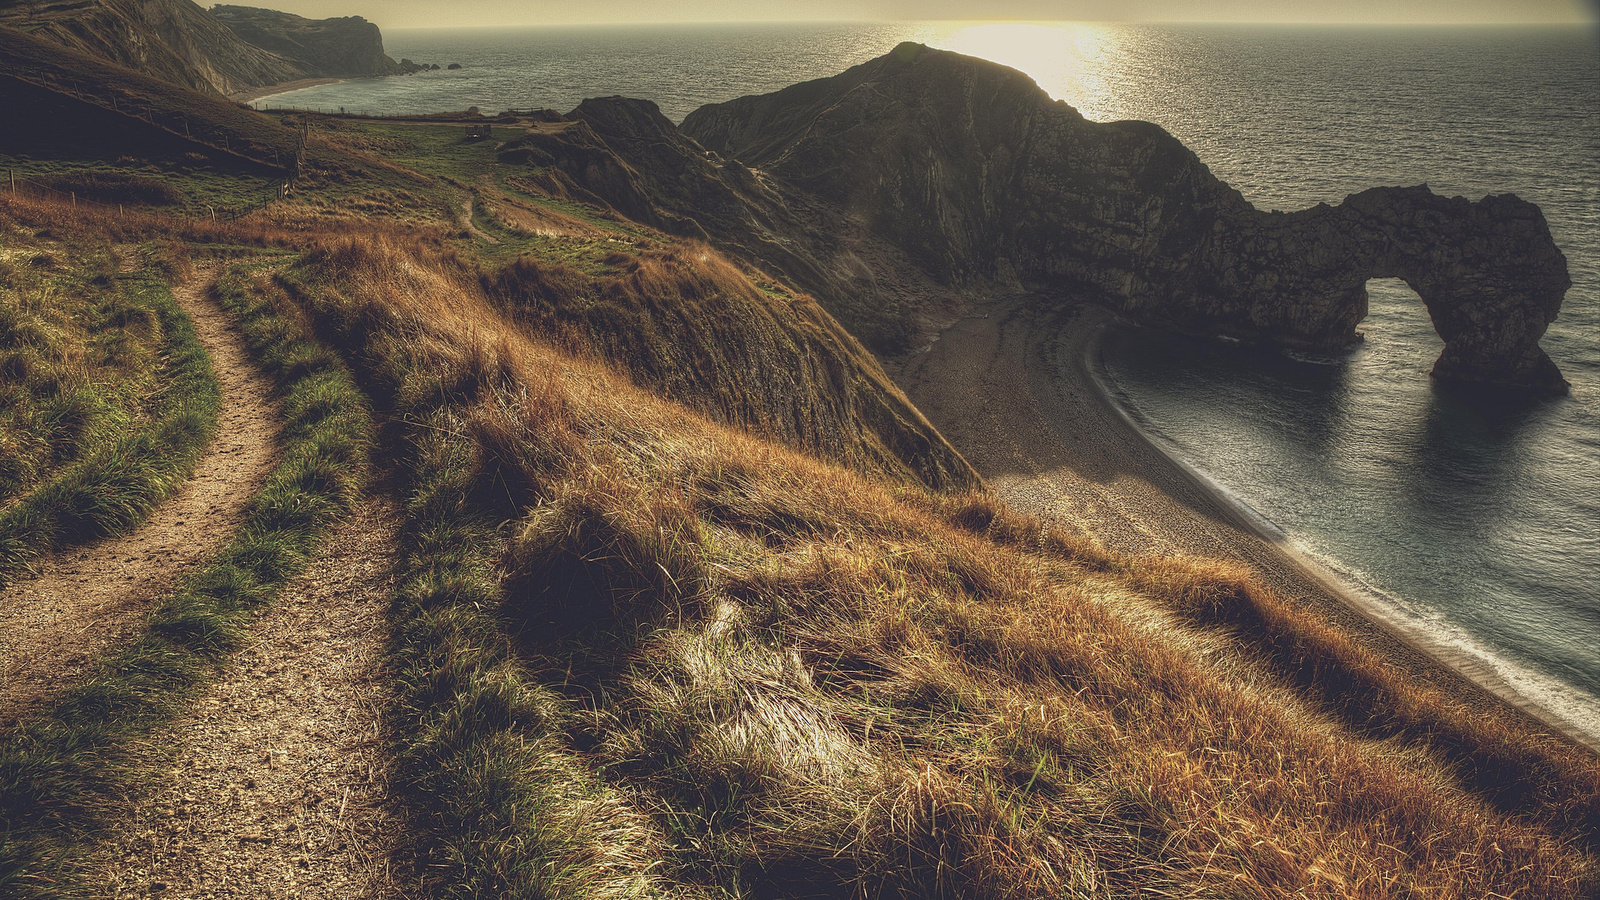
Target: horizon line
<point>1340,23</point>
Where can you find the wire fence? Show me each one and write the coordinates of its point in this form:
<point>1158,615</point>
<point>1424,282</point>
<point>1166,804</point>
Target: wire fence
<point>175,123</point>
<point>17,185</point>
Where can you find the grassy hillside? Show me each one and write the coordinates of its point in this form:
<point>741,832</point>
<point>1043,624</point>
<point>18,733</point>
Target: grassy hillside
<point>174,40</point>
<point>696,662</point>
<point>208,121</point>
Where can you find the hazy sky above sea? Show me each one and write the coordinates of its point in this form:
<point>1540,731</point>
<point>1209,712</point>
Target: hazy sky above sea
<point>483,13</point>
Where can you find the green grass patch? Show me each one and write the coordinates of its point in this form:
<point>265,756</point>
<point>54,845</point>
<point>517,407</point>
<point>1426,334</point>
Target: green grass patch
<point>438,150</point>
<point>60,772</point>
<point>177,185</point>
<point>501,805</point>
<point>113,402</point>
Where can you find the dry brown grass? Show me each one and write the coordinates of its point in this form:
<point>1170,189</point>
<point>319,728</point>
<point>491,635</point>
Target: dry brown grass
<point>784,677</point>
<point>290,225</point>
<point>692,326</point>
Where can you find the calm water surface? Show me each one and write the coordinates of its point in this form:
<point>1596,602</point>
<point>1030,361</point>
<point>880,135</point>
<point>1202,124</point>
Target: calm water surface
<point>1472,519</point>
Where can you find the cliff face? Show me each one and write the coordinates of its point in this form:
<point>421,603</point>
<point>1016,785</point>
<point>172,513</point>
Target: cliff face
<point>1487,271</point>
<point>341,46</point>
<point>974,172</point>
<point>174,40</point>
<point>228,50</point>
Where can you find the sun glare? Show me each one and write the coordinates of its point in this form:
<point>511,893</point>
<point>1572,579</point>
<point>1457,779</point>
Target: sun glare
<point>1065,58</point>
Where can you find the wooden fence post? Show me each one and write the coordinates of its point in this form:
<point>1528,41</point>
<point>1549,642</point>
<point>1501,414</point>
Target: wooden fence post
<point>13,174</point>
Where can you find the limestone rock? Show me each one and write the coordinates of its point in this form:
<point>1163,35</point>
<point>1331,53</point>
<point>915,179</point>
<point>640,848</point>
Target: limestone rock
<point>972,170</point>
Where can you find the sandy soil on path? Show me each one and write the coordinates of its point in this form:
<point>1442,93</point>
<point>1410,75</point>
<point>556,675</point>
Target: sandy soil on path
<point>85,600</point>
<point>1012,386</point>
<point>466,223</point>
<point>273,785</point>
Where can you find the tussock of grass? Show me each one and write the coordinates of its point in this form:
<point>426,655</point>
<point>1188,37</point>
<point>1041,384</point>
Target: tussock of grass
<point>1515,770</point>
<point>108,413</point>
<point>700,662</point>
<point>60,772</point>
<point>577,562</point>
<point>502,806</point>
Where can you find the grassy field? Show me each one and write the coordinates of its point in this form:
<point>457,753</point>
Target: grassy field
<point>693,604</point>
<point>107,398</point>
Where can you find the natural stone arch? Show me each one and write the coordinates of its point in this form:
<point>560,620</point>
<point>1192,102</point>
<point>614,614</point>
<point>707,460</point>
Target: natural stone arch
<point>1488,273</point>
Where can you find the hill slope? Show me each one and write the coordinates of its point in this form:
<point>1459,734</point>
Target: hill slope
<point>624,154</point>
<point>174,40</point>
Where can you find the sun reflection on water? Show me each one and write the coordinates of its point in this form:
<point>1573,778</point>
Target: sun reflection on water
<point>1068,59</point>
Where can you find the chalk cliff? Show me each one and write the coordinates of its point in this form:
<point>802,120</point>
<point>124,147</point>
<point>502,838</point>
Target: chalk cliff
<point>347,45</point>
<point>975,173</point>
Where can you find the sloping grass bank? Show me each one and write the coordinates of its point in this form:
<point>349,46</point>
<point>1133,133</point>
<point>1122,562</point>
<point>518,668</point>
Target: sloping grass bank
<point>104,420</point>
<point>60,772</point>
<point>645,654</point>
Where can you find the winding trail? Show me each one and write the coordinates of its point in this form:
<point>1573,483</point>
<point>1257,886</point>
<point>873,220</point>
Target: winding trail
<point>468,225</point>
<point>274,784</point>
<point>85,600</point>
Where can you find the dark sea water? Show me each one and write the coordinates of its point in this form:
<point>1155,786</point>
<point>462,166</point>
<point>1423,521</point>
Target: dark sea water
<point>1472,520</point>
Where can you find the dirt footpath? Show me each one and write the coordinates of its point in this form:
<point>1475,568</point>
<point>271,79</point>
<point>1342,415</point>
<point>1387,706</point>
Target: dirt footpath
<point>87,600</point>
<point>273,785</point>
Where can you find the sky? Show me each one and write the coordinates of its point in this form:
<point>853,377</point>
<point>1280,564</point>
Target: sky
<point>467,13</point>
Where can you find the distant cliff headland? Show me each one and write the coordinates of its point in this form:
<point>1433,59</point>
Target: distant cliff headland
<point>225,50</point>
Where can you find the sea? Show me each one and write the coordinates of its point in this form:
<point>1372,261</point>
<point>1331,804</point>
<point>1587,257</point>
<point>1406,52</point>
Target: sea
<point>1472,519</point>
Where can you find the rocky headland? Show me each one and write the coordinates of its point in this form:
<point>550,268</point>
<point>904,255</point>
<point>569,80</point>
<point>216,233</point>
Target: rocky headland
<point>974,173</point>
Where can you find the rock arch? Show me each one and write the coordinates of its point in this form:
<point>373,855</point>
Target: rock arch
<point>1487,271</point>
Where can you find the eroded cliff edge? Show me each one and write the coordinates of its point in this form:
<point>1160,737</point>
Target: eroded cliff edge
<point>974,172</point>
